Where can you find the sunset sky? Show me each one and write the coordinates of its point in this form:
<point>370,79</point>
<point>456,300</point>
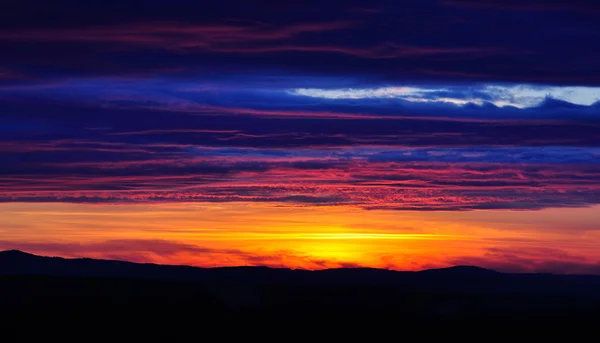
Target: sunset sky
<point>306,134</point>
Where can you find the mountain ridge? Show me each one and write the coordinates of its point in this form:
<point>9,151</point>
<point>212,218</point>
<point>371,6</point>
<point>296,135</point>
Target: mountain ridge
<point>470,280</point>
<point>14,253</point>
<point>22,256</point>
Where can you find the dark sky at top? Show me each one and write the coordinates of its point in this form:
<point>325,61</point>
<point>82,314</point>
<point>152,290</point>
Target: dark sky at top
<point>446,104</point>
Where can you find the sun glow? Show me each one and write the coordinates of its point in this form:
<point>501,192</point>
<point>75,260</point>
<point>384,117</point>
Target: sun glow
<point>205,234</point>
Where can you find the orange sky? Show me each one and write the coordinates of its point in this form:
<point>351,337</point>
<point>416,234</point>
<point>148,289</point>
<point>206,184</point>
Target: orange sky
<point>209,234</point>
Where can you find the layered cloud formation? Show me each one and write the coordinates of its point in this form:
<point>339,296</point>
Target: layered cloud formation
<point>422,105</point>
<point>417,40</point>
<point>110,140</point>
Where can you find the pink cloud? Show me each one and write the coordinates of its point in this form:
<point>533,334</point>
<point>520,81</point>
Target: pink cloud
<point>324,181</point>
<point>232,39</point>
<point>532,260</point>
<point>173,35</point>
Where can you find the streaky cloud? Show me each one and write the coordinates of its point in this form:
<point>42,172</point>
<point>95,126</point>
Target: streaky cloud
<point>521,96</point>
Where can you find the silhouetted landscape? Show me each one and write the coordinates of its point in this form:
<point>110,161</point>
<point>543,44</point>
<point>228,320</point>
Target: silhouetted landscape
<point>41,287</point>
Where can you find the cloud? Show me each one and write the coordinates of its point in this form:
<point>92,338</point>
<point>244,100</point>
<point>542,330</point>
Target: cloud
<point>438,179</point>
<point>532,260</point>
<point>160,116</point>
<point>229,101</point>
<point>522,96</point>
<point>182,38</point>
<point>389,41</point>
<point>173,35</point>
<point>158,144</point>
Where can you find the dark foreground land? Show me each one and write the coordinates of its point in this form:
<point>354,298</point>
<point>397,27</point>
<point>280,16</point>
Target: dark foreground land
<point>100,297</point>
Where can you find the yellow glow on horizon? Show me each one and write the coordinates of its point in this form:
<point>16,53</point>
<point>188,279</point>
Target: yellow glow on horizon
<point>206,234</point>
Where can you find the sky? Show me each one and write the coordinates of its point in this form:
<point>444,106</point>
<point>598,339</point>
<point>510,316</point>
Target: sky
<point>303,134</point>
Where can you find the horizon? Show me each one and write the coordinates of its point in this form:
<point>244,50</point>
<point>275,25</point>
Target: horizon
<point>455,267</point>
<point>357,267</point>
<point>401,135</point>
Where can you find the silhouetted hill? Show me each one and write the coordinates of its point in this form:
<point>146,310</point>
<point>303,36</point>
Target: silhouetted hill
<point>463,270</point>
<point>14,262</point>
<point>111,296</point>
<point>459,278</point>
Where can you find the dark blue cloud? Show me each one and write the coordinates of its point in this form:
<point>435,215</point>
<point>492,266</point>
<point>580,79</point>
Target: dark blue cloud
<point>429,105</point>
<point>153,119</point>
<point>418,40</point>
